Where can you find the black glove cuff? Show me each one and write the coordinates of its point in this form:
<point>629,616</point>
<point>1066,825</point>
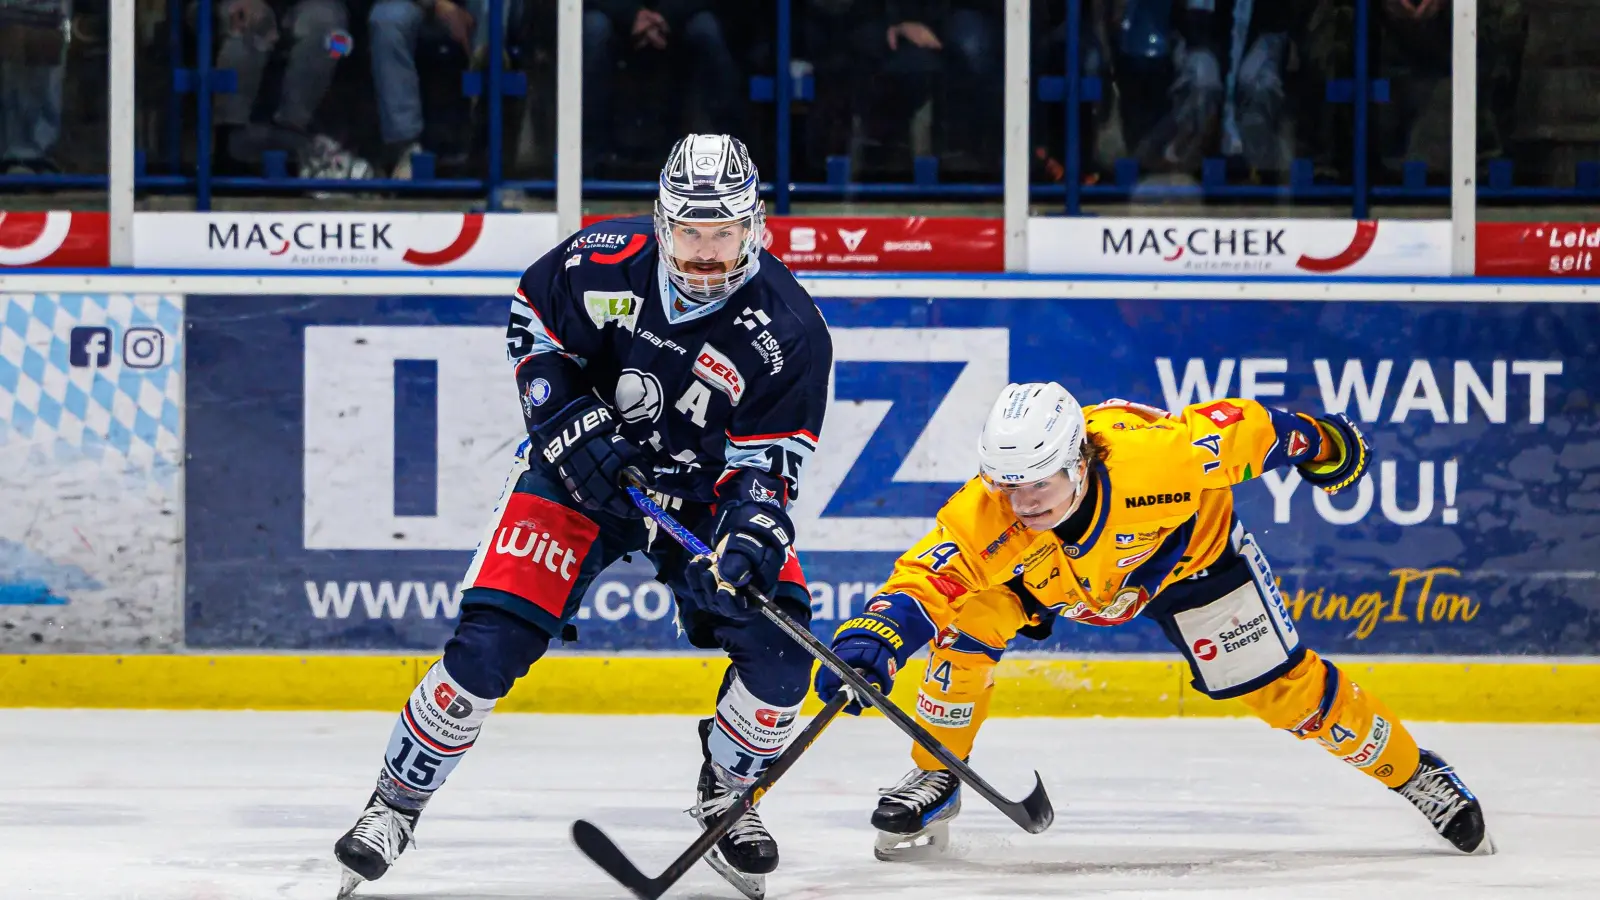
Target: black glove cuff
<point>752,502</point>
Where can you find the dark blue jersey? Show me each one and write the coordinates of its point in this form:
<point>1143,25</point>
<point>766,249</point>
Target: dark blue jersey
<point>707,391</point>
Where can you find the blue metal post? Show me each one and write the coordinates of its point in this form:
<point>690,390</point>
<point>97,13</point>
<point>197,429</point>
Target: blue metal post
<point>1360,202</point>
<point>202,93</point>
<point>1073,177</point>
<point>785,90</point>
<point>497,40</point>
<point>174,98</point>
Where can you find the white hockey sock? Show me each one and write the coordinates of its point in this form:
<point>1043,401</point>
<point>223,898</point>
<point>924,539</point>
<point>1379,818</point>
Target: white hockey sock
<point>439,724</point>
<point>748,734</point>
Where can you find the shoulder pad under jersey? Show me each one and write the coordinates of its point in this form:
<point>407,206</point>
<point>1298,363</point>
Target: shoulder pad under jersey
<point>1152,471</point>
<point>611,241</point>
<point>982,525</point>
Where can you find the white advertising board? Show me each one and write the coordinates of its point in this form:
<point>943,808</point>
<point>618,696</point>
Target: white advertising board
<point>1239,247</point>
<point>358,241</point>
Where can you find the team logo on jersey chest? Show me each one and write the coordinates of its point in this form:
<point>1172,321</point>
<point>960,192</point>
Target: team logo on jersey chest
<point>638,396</point>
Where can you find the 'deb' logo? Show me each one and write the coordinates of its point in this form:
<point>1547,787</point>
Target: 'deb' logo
<point>89,347</point>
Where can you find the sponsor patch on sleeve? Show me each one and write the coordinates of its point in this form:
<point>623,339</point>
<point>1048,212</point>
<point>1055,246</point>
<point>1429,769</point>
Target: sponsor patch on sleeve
<point>1222,413</point>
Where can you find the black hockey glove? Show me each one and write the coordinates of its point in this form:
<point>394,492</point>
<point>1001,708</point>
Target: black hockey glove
<point>752,541</point>
<point>582,444</point>
<point>1351,458</point>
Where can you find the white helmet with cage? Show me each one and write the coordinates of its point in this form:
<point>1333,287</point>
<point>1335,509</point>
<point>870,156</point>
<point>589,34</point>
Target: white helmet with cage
<point>1034,432</point>
<point>709,217</point>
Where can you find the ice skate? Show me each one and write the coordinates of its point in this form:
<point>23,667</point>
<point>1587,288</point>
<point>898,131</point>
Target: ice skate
<point>371,846</point>
<point>747,852</point>
<point>913,817</point>
<point>1438,793</point>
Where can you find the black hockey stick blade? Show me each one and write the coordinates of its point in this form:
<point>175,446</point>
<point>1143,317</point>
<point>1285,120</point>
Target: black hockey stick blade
<point>607,855</point>
<point>1036,808</point>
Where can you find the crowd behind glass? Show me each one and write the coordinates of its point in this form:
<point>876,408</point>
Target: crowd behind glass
<point>362,89</point>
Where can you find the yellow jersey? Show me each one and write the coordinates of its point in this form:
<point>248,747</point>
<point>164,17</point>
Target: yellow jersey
<point>1158,509</point>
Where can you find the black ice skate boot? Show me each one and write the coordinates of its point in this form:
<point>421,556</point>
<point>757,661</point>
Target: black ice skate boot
<point>747,852</point>
<point>1438,792</point>
<point>913,817</point>
<point>383,832</point>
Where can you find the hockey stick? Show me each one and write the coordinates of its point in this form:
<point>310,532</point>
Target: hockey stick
<point>605,853</point>
<point>1033,813</point>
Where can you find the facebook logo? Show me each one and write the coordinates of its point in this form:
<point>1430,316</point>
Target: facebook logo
<point>90,347</point>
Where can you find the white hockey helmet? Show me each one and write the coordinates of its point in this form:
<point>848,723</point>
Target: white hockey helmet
<point>709,216</point>
<point>1030,450</point>
<point>1033,431</point>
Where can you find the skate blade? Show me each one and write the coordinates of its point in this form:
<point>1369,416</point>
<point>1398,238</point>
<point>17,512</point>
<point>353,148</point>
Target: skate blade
<point>1485,847</point>
<point>928,843</point>
<point>752,886</point>
<point>348,882</point>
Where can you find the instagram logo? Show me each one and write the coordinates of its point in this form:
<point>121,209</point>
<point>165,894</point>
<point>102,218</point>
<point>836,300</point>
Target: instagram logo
<point>143,348</point>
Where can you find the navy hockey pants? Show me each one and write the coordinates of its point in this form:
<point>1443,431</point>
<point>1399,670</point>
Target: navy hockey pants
<point>529,577</point>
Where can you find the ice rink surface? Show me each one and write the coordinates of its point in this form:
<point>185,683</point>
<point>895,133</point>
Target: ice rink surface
<point>238,806</point>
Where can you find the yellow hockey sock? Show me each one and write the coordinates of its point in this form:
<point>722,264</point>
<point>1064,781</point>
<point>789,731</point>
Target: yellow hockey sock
<point>1316,700</point>
<point>953,702</point>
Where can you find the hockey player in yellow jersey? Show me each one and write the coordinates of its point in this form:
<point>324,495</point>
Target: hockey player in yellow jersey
<point>1099,515</point>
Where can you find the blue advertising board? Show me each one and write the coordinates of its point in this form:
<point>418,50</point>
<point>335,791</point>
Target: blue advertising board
<point>345,452</point>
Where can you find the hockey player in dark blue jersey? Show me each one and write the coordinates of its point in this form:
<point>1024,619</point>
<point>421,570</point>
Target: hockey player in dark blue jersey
<point>673,346</point>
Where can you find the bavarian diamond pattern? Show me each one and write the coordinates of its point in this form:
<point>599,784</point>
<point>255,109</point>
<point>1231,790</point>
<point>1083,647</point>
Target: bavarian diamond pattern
<point>123,417</point>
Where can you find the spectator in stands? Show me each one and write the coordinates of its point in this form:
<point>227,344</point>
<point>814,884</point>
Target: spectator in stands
<point>32,69</point>
<point>1413,51</point>
<point>1551,70</point>
<point>689,33</point>
<point>1226,95</point>
<point>317,40</point>
<point>395,27</point>
<point>1411,48</point>
<point>1101,141</point>
<point>951,50</point>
